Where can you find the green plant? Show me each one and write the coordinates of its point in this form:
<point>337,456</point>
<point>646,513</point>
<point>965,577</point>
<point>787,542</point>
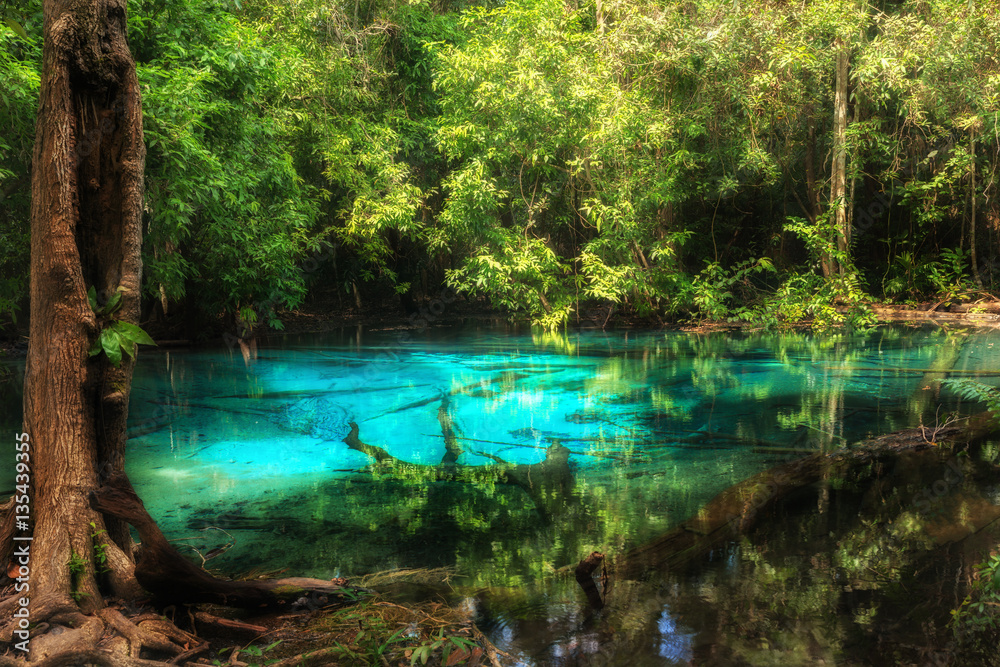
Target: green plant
<point>373,639</point>
<point>444,644</point>
<point>713,289</point>
<point>258,652</point>
<point>253,652</point>
<point>947,276</point>
<point>977,620</point>
<point>115,335</point>
<point>77,565</point>
<point>976,391</point>
<point>100,549</point>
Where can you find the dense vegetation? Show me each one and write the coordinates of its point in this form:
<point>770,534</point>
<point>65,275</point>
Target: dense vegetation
<point>672,159</point>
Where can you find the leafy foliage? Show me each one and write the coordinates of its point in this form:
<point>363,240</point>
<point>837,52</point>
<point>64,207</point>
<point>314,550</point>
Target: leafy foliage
<point>229,216</point>
<point>116,336</point>
<point>669,160</point>
<point>20,64</point>
<point>977,620</point>
<point>972,390</point>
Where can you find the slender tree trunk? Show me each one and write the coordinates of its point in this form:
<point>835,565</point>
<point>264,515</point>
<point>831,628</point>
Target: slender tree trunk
<point>972,217</point>
<point>86,209</point>
<point>812,189</point>
<point>812,194</point>
<point>838,172</point>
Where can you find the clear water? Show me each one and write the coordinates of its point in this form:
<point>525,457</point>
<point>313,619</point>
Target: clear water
<point>657,423</point>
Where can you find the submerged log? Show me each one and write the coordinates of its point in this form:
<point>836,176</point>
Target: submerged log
<point>164,572</point>
<point>548,483</point>
<point>736,511</point>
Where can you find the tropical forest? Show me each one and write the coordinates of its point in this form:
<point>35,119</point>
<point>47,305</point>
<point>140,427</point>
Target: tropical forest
<point>499,332</point>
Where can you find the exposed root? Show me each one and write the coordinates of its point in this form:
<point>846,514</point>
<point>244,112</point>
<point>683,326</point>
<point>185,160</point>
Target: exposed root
<point>166,574</point>
<point>6,538</point>
<point>91,657</point>
<point>157,635</point>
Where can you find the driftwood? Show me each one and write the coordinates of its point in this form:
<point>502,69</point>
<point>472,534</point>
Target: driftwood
<point>736,510</point>
<point>164,572</point>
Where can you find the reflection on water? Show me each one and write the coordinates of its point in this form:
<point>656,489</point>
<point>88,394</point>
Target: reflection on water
<point>656,424</point>
<point>675,645</point>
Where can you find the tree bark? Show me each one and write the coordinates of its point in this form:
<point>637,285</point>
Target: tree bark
<point>86,208</point>
<point>812,189</point>
<point>973,257</point>
<point>838,172</point>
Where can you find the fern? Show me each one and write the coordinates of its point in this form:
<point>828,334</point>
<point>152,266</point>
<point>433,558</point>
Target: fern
<point>971,390</point>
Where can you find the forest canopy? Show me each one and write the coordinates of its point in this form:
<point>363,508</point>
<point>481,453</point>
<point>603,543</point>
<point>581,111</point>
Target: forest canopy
<point>772,162</point>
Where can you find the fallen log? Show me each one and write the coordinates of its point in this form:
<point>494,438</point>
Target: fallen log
<point>162,571</point>
<point>736,510</point>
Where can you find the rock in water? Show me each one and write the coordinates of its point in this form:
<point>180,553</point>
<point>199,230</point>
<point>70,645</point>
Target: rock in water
<point>317,416</point>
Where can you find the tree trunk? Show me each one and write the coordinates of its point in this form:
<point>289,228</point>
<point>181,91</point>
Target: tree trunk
<point>838,172</point>
<point>812,190</point>
<point>972,217</point>
<point>86,212</point>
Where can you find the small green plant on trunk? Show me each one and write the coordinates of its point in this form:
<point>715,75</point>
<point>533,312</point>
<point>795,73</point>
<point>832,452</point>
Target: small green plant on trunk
<point>115,335</point>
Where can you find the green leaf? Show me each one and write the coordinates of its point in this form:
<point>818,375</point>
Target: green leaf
<point>132,333</point>
<point>16,27</point>
<point>113,304</point>
<point>92,298</point>
<point>111,343</point>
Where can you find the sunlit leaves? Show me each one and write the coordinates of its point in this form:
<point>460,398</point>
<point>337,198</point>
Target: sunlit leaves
<point>228,214</point>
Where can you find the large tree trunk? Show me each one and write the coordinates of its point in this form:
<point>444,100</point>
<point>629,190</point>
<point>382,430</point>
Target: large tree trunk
<point>86,212</point>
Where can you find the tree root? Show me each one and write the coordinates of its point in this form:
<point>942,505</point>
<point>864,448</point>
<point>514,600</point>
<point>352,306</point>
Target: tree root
<point>74,639</point>
<point>154,634</point>
<point>91,657</point>
<point>228,625</point>
<point>165,573</point>
<point>6,538</point>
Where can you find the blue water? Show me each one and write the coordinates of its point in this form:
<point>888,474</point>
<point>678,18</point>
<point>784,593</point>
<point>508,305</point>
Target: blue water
<point>250,454</point>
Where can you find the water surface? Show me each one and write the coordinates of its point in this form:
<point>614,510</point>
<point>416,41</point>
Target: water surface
<point>252,455</point>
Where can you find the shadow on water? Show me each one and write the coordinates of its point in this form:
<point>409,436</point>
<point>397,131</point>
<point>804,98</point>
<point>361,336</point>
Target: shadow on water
<point>655,424</point>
